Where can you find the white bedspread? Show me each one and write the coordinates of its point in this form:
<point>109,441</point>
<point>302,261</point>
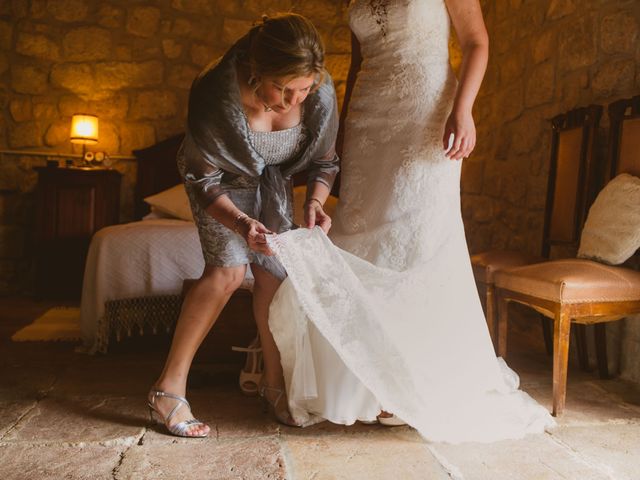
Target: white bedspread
<point>136,260</point>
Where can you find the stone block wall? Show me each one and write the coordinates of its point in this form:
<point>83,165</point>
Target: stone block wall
<point>129,62</point>
<point>547,57</point>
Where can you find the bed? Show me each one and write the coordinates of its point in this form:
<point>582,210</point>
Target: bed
<point>135,272</point>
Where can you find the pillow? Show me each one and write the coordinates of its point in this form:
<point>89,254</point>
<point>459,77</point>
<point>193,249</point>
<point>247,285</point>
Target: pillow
<point>611,233</point>
<point>173,202</point>
<point>300,195</point>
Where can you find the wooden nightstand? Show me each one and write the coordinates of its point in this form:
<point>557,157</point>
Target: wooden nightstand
<point>72,204</point>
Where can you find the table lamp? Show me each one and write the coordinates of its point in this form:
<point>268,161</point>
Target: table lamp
<point>84,130</point>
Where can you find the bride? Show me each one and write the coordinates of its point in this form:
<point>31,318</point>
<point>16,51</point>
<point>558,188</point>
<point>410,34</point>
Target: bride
<point>387,317</point>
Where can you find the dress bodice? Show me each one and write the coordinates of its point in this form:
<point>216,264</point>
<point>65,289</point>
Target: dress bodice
<point>404,30</point>
<point>279,146</point>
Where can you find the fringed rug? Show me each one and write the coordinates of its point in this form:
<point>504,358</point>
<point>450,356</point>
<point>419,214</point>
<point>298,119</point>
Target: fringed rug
<point>58,324</point>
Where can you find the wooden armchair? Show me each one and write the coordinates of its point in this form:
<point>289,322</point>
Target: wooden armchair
<point>570,190</point>
<point>576,290</point>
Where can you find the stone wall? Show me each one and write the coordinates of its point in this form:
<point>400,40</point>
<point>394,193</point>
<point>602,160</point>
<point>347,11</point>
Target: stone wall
<point>547,57</point>
<point>129,62</point>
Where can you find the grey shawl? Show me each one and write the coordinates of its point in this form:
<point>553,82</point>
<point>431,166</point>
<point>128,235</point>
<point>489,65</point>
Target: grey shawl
<point>218,127</point>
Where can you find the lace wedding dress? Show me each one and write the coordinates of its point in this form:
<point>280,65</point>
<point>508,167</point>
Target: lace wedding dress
<point>387,315</point>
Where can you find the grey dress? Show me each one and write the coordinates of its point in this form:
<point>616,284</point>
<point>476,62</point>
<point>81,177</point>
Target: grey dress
<point>221,246</point>
<point>221,155</point>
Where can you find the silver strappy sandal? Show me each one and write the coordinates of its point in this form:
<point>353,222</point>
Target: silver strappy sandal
<point>179,429</point>
<point>281,412</point>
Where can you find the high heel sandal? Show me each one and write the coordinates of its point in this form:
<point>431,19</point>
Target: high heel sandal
<point>251,374</point>
<point>179,429</point>
<point>282,414</point>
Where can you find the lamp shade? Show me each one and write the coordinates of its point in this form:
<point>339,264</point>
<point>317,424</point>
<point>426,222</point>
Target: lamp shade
<point>84,129</point>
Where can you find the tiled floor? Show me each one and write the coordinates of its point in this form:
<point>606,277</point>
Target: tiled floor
<point>72,416</point>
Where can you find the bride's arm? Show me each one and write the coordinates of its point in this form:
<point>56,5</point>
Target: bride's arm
<point>467,20</point>
<point>356,60</point>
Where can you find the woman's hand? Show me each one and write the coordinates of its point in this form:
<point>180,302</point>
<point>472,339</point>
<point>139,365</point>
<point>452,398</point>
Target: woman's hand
<point>254,233</point>
<point>314,215</point>
<point>462,126</point>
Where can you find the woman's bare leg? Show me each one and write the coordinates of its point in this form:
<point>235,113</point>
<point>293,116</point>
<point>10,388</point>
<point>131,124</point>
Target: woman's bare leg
<point>200,310</point>
<point>272,377</point>
<point>264,289</point>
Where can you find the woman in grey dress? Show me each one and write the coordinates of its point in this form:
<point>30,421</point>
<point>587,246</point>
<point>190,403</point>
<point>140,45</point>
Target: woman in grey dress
<point>262,113</point>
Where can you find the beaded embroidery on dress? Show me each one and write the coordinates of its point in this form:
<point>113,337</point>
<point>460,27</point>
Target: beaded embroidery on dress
<point>388,315</point>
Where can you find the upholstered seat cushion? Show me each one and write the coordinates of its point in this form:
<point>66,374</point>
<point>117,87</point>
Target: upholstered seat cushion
<point>572,281</point>
<point>485,264</point>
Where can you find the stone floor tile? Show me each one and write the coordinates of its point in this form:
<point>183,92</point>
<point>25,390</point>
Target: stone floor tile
<point>626,391</point>
<point>92,462</point>
<point>236,415</point>
<point>379,455</point>
<point>614,448</point>
<point>536,369</point>
<point>28,380</point>
<point>328,428</point>
<point>251,459</point>
<point>587,404</point>
<point>115,380</point>
<point>536,457</point>
<point>75,420</point>
<point>11,410</point>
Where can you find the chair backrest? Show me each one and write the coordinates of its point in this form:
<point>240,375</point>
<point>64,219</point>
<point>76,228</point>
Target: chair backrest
<point>624,138</point>
<point>573,176</point>
<point>624,145</point>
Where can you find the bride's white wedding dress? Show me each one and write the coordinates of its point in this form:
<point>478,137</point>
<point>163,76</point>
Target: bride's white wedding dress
<point>391,319</point>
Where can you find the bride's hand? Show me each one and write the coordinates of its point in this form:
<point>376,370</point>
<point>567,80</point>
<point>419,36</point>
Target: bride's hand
<point>315,215</point>
<point>462,126</point>
<point>254,233</point>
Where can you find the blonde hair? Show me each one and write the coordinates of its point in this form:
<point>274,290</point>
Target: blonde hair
<point>286,46</point>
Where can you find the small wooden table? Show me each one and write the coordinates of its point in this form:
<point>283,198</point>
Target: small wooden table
<point>71,205</point>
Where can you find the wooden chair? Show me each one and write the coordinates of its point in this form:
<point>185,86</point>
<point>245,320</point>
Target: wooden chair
<point>569,193</point>
<point>576,290</point>
<point>624,157</point>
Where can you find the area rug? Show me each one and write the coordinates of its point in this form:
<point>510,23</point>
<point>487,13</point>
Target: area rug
<point>58,324</point>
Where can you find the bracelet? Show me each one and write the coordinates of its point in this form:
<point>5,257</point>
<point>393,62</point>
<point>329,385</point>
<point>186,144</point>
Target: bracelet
<point>312,199</point>
<point>236,221</point>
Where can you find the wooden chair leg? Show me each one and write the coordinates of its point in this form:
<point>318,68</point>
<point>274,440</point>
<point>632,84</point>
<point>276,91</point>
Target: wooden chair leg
<point>561,330</point>
<point>601,350</point>
<point>581,346</point>
<point>492,321</point>
<point>547,333</point>
<point>503,324</point>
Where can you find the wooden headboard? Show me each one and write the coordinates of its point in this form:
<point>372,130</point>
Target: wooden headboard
<point>157,171</point>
